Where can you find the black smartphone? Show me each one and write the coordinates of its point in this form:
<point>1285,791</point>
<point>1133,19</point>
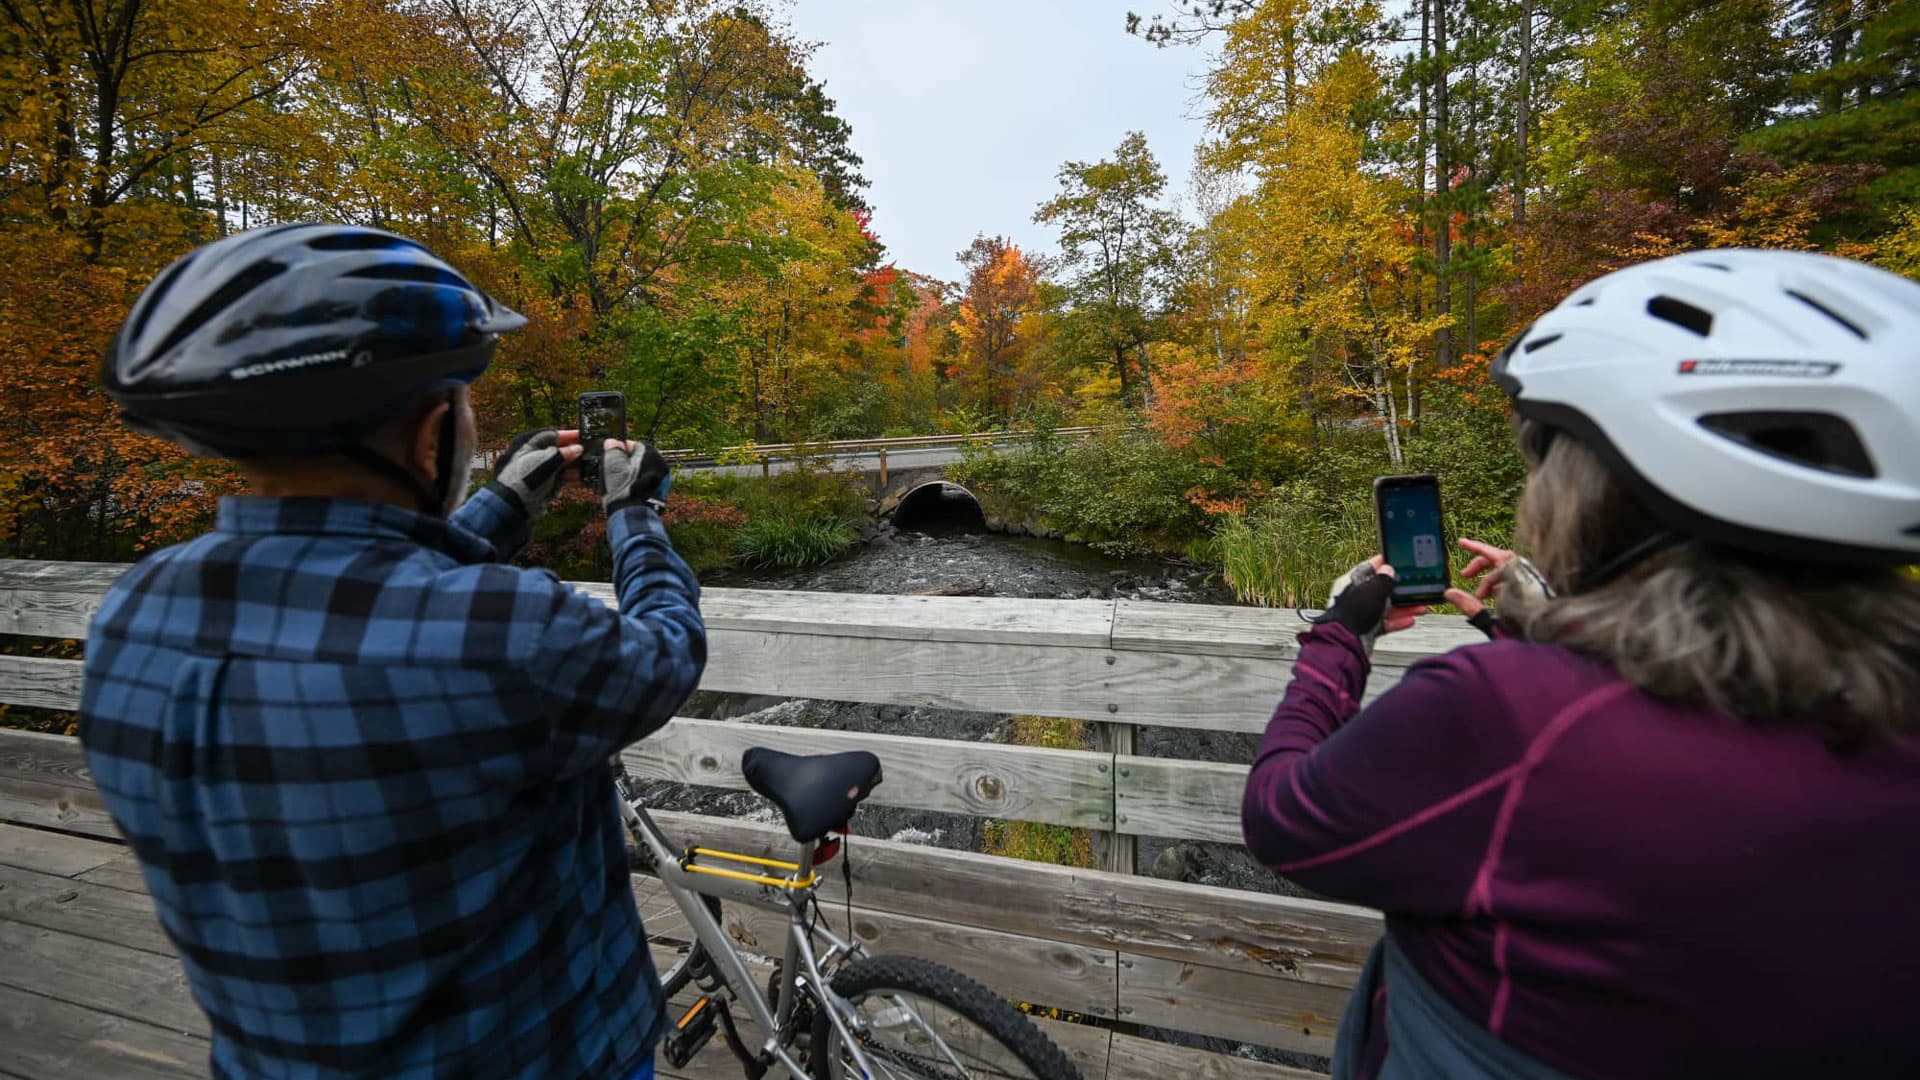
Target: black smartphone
<point>603,416</point>
<point>1412,536</point>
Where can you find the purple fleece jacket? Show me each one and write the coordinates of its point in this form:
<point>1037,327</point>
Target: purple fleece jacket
<point>1615,885</point>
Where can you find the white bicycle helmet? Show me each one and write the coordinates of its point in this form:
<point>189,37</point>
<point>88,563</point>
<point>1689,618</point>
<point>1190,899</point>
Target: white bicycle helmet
<point>1764,400</point>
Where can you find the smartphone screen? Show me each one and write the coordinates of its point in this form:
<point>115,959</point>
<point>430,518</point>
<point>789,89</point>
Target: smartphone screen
<point>603,416</point>
<point>1411,535</point>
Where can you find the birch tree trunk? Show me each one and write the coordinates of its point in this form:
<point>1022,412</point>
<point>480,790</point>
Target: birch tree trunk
<point>1385,408</point>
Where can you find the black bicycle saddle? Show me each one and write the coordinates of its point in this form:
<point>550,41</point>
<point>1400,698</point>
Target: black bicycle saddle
<point>816,794</point>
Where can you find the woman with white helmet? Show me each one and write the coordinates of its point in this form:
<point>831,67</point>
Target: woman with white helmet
<point>1668,824</point>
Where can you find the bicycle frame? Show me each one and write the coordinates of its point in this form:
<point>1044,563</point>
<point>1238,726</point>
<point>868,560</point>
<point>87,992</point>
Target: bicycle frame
<point>800,961</point>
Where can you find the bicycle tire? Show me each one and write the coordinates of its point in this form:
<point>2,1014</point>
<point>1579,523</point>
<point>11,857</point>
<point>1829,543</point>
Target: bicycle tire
<point>1016,1041</point>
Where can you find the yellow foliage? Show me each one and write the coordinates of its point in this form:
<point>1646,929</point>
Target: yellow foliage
<point>1898,249</point>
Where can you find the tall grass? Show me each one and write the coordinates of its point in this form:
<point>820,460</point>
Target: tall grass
<point>1284,553</point>
<point>791,541</point>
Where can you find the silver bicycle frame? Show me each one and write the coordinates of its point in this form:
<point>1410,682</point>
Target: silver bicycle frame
<point>800,960</point>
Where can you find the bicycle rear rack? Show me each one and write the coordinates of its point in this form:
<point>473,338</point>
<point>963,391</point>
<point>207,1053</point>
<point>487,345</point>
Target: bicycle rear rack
<point>691,864</point>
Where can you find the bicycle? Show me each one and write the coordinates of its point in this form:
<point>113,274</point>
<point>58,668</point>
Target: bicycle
<point>834,1015</point>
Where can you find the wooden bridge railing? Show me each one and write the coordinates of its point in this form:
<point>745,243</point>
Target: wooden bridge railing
<point>1241,966</point>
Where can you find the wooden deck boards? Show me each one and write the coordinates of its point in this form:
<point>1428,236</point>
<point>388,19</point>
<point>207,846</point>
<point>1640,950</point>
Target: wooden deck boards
<point>91,986</point>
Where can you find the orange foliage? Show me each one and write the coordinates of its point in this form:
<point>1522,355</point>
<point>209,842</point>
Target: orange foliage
<point>111,492</point>
<point>996,338</point>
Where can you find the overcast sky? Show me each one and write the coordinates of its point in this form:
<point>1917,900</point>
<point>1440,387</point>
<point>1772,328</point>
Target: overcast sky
<point>965,109</point>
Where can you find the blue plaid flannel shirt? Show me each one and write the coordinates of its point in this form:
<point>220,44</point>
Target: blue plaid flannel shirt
<point>363,765</point>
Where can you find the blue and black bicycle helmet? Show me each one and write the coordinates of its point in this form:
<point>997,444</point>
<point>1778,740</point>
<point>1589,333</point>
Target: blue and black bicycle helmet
<point>299,340</point>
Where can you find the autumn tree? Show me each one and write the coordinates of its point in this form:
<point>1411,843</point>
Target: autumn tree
<point>997,324</point>
<point>1117,248</point>
<point>118,123</point>
<point>798,310</point>
<point>655,183</point>
<point>1213,295</point>
<point>118,111</point>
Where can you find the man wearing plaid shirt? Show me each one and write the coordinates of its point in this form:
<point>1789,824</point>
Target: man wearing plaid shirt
<point>363,762</point>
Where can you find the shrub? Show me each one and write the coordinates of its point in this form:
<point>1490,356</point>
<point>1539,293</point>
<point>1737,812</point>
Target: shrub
<point>799,492</point>
<point>1122,492</point>
<point>703,530</point>
<point>791,541</point>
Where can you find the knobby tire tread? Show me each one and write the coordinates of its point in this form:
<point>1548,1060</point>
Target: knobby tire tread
<point>937,982</point>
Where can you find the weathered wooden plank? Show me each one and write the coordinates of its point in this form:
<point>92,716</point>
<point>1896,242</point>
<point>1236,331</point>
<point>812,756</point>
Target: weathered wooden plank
<point>1230,1004</point>
<point>1265,633</point>
<point>99,975</point>
<point>1083,624</point>
<point>1222,693</point>
<point>1042,680</point>
<point>44,781</point>
<point>48,759</point>
<point>1034,970</point>
<point>1135,1058</point>
<point>83,909</point>
<point>1024,783</point>
<point>1197,800</point>
<point>55,853</point>
<point>57,599</point>
<point>1285,937</point>
<point>1166,688</point>
<point>52,599</point>
<point>54,806</point>
<point>122,873</point>
<point>1114,849</point>
<point>40,682</point>
<point>1261,633</point>
<point>1176,665</point>
<point>49,1039</point>
<point>1090,1047</point>
<point>1062,787</point>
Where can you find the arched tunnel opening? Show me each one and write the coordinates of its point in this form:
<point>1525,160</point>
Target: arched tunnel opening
<point>940,508</point>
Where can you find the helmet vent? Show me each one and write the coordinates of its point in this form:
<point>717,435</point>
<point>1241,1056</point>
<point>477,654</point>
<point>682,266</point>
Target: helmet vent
<point>1722,267</point>
<point>223,298</point>
<point>432,275</point>
<point>1588,302</point>
<point>1681,314</point>
<point>1819,440</point>
<point>359,240</point>
<point>1541,342</point>
<point>155,294</point>
<point>1829,313</point>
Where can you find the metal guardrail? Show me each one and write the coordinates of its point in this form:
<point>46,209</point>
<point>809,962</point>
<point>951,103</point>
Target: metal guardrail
<point>763,455</point>
<point>752,453</point>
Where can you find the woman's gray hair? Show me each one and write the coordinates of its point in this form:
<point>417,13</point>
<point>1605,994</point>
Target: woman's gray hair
<point>1763,640</point>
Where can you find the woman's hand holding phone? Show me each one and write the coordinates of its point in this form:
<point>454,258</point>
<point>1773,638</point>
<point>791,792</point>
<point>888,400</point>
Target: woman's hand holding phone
<point>1362,601</point>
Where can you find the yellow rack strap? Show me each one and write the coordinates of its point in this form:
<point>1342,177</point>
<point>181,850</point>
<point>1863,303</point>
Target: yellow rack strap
<point>750,860</point>
<point>757,879</point>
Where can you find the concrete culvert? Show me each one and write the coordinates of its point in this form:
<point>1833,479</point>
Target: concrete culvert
<point>940,508</point>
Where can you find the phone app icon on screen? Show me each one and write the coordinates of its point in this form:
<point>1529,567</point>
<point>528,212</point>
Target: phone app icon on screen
<point>1426,551</point>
